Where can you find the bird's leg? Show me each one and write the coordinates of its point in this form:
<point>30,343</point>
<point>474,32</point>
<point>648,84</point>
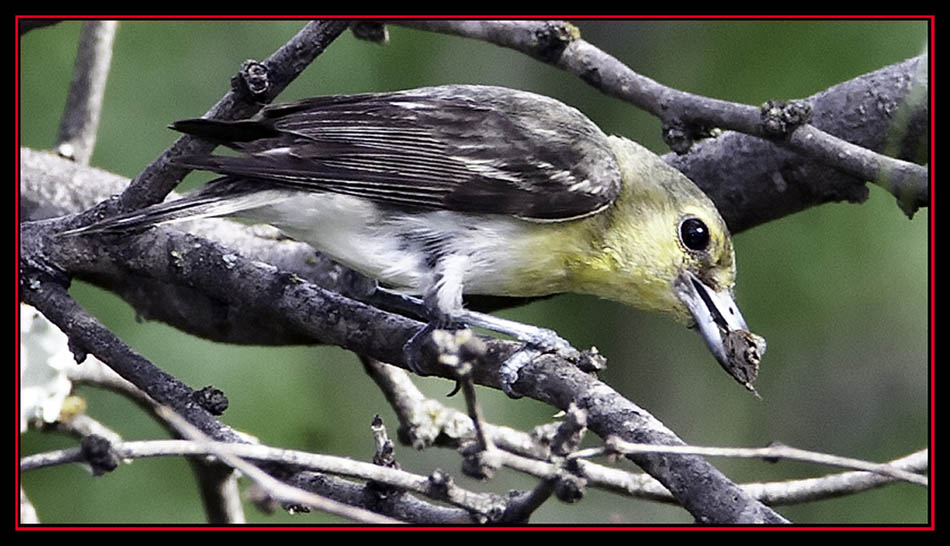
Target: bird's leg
<point>363,288</point>
<point>537,340</point>
<point>540,338</point>
<point>441,298</point>
<point>543,339</point>
<point>441,307</point>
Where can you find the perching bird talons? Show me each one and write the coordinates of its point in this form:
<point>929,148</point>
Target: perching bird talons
<point>419,359</point>
<point>511,367</point>
<point>537,341</point>
<point>591,361</point>
<point>549,341</point>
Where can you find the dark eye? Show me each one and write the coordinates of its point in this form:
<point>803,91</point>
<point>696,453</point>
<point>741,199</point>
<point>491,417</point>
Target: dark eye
<point>694,234</point>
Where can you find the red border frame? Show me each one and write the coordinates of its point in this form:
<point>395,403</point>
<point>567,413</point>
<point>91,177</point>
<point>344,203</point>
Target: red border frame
<point>931,19</point>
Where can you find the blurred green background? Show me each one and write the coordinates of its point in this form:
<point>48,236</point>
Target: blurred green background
<point>840,291</point>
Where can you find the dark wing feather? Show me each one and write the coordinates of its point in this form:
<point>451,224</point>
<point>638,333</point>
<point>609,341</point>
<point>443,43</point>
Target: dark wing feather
<point>472,149</point>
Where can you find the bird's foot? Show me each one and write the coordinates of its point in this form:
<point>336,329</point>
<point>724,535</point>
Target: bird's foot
<point>418,350</point>
<point>414,350</point>
<point>547,341</point>
<point>537,341</point>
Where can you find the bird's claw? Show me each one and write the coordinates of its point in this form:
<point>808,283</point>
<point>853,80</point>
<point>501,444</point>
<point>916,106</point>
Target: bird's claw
<point>539,341</point>
<point>413,350</point>
<point>548,341</point>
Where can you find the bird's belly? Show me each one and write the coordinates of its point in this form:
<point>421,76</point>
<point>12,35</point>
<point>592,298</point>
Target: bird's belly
<point>347,229</point>
<point>493,255</point>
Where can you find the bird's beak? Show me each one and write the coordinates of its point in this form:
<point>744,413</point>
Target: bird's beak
<point>722,327</point>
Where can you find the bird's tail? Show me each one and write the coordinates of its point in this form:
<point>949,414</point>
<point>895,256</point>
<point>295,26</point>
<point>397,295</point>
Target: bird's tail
<point>229,133</point>
<point>221,197</point>
<point>224,196</point>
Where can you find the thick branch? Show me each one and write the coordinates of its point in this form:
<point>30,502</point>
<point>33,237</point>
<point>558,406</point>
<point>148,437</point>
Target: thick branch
<point>52,186</point>
<point>754,181</point>
<point>183,259</point>
<point>87,334</point>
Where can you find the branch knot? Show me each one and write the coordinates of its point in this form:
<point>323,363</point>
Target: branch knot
<point>780,118</point>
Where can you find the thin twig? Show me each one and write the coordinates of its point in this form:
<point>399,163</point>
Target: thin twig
<point>220,495</point>
<point>80,121</point>
<point>834,485</point>
<point>423,420</point>
<point>84,425</point>
<point>340,466</point>
<point>779,493</point>
<point>616,445</point>
<point>908,182</point>
<point>461,351</point>
<point>274,487</point>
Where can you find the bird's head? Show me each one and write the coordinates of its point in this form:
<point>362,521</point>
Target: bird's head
<point>674,254</point>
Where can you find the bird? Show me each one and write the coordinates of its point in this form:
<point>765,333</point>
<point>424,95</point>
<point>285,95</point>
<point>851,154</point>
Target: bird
<point>439,193</point>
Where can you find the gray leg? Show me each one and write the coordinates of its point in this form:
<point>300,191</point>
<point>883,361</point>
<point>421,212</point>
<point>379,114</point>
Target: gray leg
<point>537,340</point>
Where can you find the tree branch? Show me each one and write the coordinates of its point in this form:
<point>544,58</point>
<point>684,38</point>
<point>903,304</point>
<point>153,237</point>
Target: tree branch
<point>686,115</point>
<point>754,181</point>
<point>256,85</point>
<point>80,122</point>
<point>774,452</point>
<point>304,307</point>
<point>275,488</point>
<point>87,334</point>
<point>833,485</point>
<point>425,422</point>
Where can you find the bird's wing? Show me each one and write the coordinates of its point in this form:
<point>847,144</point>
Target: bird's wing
<point>472,149</point>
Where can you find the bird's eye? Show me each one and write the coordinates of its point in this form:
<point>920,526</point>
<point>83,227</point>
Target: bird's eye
<point>694,234</point>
